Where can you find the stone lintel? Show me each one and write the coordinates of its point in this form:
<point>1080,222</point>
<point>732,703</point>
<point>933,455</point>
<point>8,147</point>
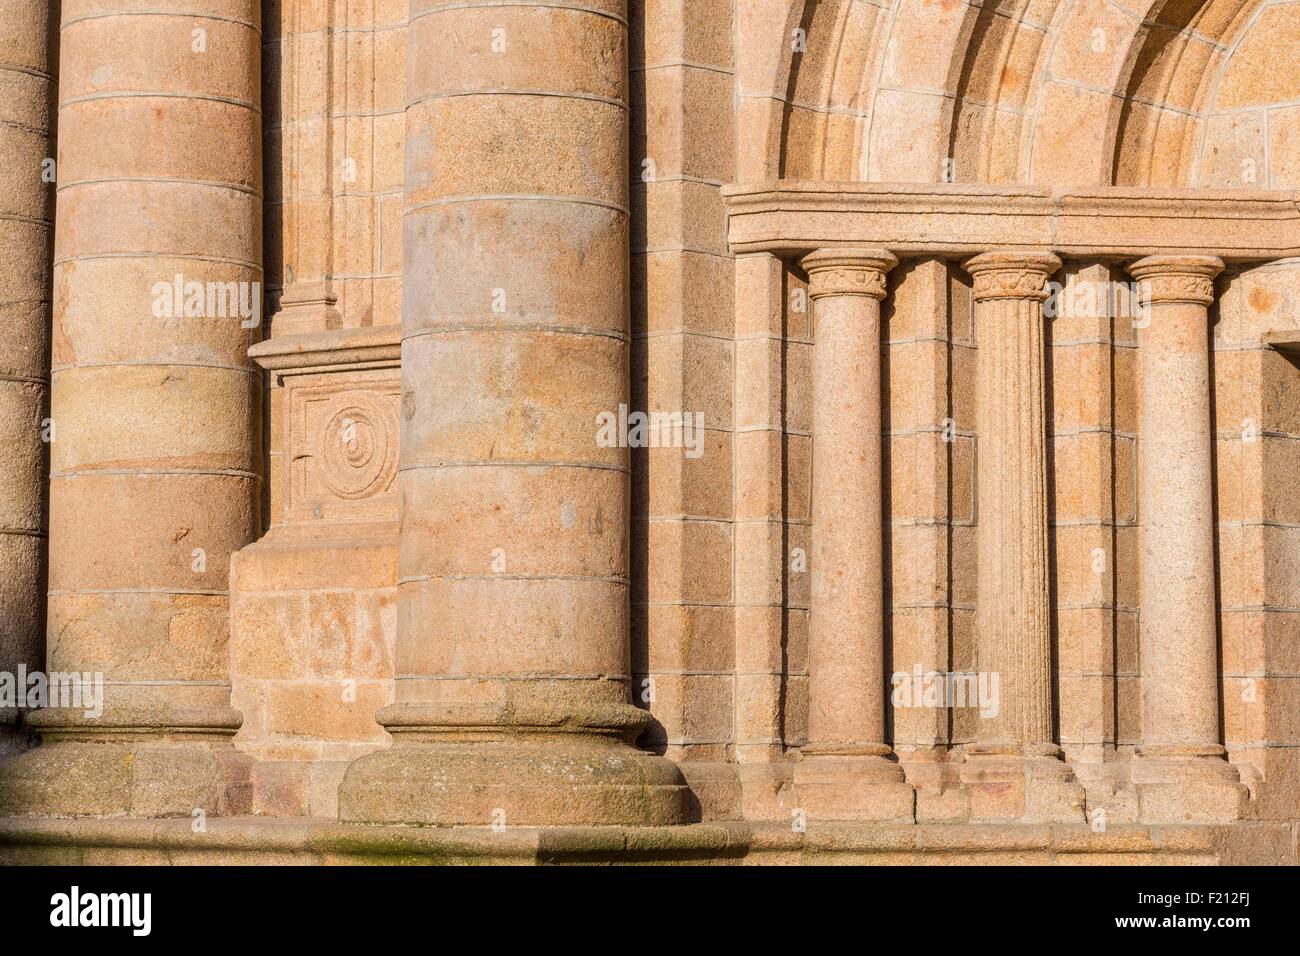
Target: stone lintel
<point>791,217</point>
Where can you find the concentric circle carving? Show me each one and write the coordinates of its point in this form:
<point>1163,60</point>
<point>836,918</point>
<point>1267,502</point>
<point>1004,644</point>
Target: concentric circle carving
<point>358,450</point>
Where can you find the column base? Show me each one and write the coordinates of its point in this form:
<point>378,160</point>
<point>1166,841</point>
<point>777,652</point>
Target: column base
<point>1186,787</point>
<point>14,737</point>
<point>1110,796</point>
<point>940,797</point>
<point>458,768</point>
<point>149,765</point>
<point>767,791</point>
<point>1027,786</point>
<point>853,784</point>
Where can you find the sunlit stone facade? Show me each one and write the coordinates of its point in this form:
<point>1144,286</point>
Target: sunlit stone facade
<point>730,430</point>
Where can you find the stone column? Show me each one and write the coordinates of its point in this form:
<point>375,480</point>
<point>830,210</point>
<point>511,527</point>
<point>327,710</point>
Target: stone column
<point>1013,598</point>
<point>847,770</point>
<point>25,231</point>
<point>156,453</point>
<point>1181,769</point>
<point>512,701</point>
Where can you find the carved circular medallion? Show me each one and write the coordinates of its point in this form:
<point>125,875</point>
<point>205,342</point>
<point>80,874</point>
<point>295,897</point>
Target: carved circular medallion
<point>358,453</point>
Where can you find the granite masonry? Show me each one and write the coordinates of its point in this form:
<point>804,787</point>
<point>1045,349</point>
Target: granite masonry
<point>702,431</point>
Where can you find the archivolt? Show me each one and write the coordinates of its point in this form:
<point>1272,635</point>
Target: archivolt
<point>1069,92</point>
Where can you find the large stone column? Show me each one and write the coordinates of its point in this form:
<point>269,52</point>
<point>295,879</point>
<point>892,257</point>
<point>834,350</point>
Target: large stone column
<point>25,231</point>
<point>156,454</point>
<point>847,769</point>
<point>1013,599</point>
<point>1181,770</point>
<point>512,702</point>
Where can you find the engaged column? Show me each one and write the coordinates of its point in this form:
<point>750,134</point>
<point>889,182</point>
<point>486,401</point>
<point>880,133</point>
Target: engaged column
<point>847,770</point>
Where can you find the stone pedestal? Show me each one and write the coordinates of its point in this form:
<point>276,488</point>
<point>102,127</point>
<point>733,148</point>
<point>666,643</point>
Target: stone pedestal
<point>156,454</point>
<point>313,603</point>
<point>1013,768</point>
<point>847,770</point>
<point>1004,787</point>
<point>307,307</point>
<point>512,699</point>
<point>1181,769</point>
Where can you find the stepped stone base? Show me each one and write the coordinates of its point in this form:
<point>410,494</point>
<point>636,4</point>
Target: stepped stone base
<point>253,841</point>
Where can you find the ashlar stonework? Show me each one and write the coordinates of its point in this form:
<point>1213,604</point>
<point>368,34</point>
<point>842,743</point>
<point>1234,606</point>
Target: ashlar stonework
<point>968,531</point>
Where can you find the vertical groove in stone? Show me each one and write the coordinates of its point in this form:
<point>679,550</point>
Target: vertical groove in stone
<point>1014,603</point>
<point>25,231</point>
<point>1037,659</point>
<point>156,461</point>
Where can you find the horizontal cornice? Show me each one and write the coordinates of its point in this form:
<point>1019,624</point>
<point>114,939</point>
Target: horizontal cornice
<point>304,352</point>
<point>791,217</point>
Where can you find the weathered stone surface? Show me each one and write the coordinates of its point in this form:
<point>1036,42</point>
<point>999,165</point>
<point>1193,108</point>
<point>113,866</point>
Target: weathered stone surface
<point>155,462</point>
<point>980,328</point>
<point>26,213</point>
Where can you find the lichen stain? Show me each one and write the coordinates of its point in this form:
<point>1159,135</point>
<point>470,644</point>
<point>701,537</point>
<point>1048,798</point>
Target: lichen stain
<point>1261,300</point>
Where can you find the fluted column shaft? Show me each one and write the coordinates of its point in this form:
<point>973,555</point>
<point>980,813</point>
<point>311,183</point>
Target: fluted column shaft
<point>25,233</point>
<point>1180,693</point>
<point>1013,612</point>
<point>846,679</point>
<point>513,657</point>
<point>156,453</point>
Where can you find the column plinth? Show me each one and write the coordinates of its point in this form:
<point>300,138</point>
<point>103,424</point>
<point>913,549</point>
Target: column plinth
<point>155,454</point>
<point>1181,768</point>
<point>513,704</point>
<point>1013,604</point>
<point>847,770</point>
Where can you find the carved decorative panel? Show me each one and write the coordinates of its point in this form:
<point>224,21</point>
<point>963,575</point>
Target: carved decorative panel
<point>343,443</point>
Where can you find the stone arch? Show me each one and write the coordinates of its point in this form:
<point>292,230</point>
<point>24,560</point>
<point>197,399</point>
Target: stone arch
<point>1050,92</point>
<point>1175,72</point>
<point>1250,128</point>
<point>872,91</point>
<point>829,92</point>
<point>995,104</point>
<point>764,55</point>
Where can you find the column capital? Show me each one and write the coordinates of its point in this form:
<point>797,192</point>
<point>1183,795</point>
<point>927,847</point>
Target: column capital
<point>1176,278</point>
<point>848,271</point>
<point>1012,275</point>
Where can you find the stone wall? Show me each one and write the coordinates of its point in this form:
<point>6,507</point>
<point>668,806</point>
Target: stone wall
<point>988,315</point>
